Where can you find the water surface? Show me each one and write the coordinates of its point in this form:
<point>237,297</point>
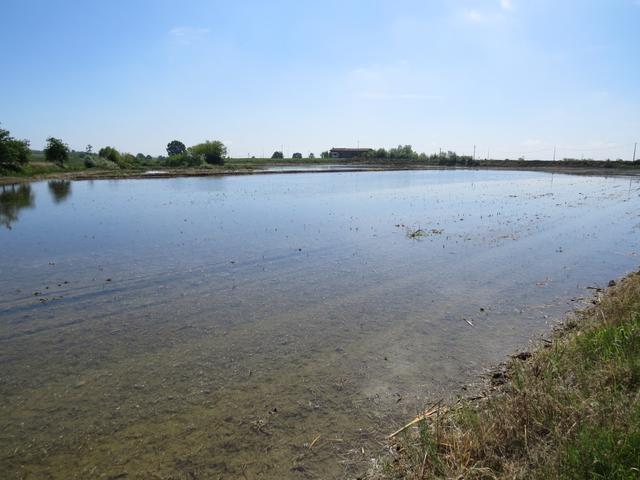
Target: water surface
<point>276,326</point>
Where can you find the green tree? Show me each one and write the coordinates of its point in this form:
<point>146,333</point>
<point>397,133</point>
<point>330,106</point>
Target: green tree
<point>325,155</point>
<point>13,153</point>
<point>403,152</point>
<point>211,152</point>
<point>380,153</point>
<point>56,151</point>
<point>312,156</point>
<point>111,154</point>
<point>277,154</point>
<point>297,155</point>
<point>175,147</point>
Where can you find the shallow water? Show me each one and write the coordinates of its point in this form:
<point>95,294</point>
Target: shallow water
<point>276,326</point>
<point>322,167</point>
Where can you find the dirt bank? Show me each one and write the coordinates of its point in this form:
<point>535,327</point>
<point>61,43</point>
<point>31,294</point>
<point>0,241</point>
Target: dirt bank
<point>95,174</point>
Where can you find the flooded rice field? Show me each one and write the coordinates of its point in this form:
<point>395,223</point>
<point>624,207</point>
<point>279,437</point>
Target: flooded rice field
<point>276,326</point>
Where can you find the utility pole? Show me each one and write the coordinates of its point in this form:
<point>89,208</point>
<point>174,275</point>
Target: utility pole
<point>488,156</point>
<point>635,145</point>
<point>474,152</point>
<point>554,153</point>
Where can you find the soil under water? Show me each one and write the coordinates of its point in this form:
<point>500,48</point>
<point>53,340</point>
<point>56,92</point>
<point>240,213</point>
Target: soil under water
<point>276,326</point>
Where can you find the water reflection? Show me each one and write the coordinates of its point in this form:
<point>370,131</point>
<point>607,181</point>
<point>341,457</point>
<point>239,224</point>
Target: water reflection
<point>14,198</point>
<point>60,190</point>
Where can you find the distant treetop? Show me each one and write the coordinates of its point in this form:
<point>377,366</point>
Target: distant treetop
<point>175,147</point>
<point>56,151</point>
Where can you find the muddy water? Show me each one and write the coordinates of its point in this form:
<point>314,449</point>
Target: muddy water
<point>276,326</point>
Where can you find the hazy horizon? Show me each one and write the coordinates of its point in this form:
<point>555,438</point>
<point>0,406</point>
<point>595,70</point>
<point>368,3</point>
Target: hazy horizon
<point>514,78</point>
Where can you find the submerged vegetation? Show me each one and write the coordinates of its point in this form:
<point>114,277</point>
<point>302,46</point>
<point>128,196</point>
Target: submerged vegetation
<point>570,410</point>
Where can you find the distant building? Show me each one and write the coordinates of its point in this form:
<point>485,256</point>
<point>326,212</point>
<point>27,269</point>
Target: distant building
<point>348,152</point>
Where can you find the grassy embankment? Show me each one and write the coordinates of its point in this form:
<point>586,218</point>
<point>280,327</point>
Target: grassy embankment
<point>571,410</point>
<point>39,169</point>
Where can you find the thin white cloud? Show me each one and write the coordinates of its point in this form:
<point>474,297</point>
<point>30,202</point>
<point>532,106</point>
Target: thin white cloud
<point>507,4</point>
<point>397,96</point>
<point>187,31</point>
<point>398,81</point>
<point>474,16</point>
<point>488,15</point>
<point>187,35</point>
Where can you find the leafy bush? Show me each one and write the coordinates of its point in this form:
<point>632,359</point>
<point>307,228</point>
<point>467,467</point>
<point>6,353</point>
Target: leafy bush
<point>111,154</point>
<point>13,153</point>
<point>127,161</point>
<point>183,160</point>
<point>211,152</point>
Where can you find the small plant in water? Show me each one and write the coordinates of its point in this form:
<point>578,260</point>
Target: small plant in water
<point>415,232</point>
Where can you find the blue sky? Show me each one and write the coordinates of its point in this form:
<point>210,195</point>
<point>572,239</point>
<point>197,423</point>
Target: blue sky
<point>514,77</point>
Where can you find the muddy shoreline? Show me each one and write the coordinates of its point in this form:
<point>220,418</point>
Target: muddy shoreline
<point>497,398</point>
<point>304,168</point>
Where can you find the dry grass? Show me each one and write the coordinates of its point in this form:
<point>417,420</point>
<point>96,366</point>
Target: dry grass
<point>572,410</point>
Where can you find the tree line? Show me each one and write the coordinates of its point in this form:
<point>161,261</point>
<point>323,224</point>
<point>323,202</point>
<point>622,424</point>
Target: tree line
<point>407,153</point>
<point>15,154</point>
